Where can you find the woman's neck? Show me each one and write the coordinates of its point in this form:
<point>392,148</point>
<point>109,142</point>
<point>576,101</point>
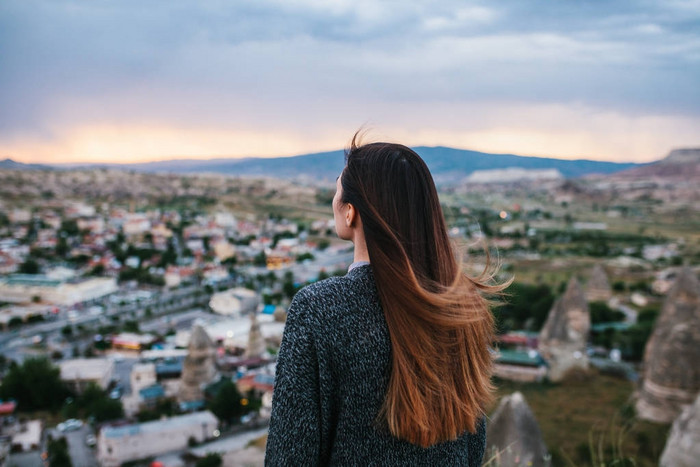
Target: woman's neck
<point>361,253</point>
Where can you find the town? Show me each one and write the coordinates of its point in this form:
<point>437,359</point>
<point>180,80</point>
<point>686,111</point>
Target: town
<point>141,313</point>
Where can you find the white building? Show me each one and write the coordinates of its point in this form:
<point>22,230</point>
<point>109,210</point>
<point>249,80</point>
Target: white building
<point>116,445</point>
<point>26,288</point>
<point>233,332</point>
<point>234,302</point>
<point>23,313</point>
<point>142,376</point>
<point>78,373</point>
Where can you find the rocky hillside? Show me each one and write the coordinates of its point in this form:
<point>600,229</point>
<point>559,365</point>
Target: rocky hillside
<point>682,164</point>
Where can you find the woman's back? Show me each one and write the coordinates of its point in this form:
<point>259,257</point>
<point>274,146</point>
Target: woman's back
<point>332,376</point>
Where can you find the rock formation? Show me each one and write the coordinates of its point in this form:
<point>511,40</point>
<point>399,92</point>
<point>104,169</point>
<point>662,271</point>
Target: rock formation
<point>562,341</point>
<point>598,287</point>
<point>671,377</point>
<point>683,444</point>
<point>256,342</point>
<point>513,437</point>
<point>199,368</point>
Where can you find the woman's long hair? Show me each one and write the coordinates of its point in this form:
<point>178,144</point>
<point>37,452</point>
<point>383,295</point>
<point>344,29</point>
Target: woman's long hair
<point>439,323</point>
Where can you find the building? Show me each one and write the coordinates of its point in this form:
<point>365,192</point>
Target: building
<point>234,302</point>
<point>25,435</point>
<point>27,288</point>
<point>117,445</point>
<point>520,365</point>
<point>24,313</point>
<point>132,341</point>
<point>79,373</point>
<point>234,333</point>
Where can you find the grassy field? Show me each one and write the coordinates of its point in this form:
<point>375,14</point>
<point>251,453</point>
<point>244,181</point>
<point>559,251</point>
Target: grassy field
<point>591,419</point>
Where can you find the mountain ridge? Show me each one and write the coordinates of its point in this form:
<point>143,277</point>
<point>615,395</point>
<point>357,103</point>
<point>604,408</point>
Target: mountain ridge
<point>448,165</point>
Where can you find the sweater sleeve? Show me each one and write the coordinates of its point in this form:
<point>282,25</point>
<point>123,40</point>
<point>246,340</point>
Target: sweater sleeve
<point>294,437</point>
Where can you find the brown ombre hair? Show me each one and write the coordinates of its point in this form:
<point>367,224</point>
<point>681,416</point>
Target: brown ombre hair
<point>439,323</point>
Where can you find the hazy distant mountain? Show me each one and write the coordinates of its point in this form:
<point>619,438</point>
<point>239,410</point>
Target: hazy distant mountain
<point>681,164</point>
<point>9,164</point>
<point>447,165</point>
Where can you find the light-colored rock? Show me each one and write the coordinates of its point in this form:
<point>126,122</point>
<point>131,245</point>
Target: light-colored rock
<point>199,368</point>
<point>671,377</point>
<point>513,437</point>
<point>562,341</point>
<point>598,287</point>
<point>683,444</point>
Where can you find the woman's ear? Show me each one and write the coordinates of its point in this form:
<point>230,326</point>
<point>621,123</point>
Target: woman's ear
<point>350,216</point>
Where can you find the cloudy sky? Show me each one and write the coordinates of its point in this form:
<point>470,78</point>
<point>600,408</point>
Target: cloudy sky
<point>135,80</point>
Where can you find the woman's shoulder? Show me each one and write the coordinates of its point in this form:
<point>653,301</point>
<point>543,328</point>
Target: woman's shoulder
<point>360,277</point>
<point>333,292</point>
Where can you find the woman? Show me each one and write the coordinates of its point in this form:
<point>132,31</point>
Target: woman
<point>390,364</point>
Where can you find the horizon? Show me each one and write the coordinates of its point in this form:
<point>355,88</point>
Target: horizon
<point>155,81</point>
<point>205,158</point>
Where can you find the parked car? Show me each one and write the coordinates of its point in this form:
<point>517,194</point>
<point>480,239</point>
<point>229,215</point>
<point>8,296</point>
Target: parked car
<point>69,425</point>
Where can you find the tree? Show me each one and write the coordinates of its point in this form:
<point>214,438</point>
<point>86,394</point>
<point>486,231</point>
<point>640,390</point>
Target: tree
<point>57,450</point>
<point>29,267</point>
<point>70,227</point>
<point>226,404</point>
<point>35,385</point>
<point>260,259</point>
<point>97,404</point>
<point>212,459</point>
<point>602,313</point>
<point>62,246</point>
<point>304,256</point>
<point>131,326</point>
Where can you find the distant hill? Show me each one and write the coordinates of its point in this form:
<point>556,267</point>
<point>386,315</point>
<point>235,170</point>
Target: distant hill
<point>9,164</point>
<point>448,165</point>
<point>680,164</point>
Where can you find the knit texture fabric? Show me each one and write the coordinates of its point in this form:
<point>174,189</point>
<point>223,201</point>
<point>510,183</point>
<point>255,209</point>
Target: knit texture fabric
<point>332,374</point>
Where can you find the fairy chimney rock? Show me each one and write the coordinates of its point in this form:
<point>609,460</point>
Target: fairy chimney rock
<point>199,368</point>
<point>513,437</point>
<point>671,377</point>
<point>256,342</point>
<point>562,341</point>
<point>683,444</point>
<point>598,287</point>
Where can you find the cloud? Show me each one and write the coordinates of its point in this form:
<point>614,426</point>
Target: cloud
<point>288,66</point>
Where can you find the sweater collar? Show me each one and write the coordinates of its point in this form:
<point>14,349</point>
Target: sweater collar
<point>357,264</point>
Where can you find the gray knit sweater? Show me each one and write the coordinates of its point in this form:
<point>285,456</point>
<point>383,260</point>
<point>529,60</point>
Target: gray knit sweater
<point>332,374</point>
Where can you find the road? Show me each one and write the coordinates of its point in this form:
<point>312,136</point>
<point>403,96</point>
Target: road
<point>80,453</point>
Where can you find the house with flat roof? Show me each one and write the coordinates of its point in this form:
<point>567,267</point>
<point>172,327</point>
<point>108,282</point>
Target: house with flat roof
<point>27,288</point>
<point>119,444</point>
<point>79,373</point>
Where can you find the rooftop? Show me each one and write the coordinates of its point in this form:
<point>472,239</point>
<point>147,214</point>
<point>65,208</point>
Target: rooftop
<point>172,423</point>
